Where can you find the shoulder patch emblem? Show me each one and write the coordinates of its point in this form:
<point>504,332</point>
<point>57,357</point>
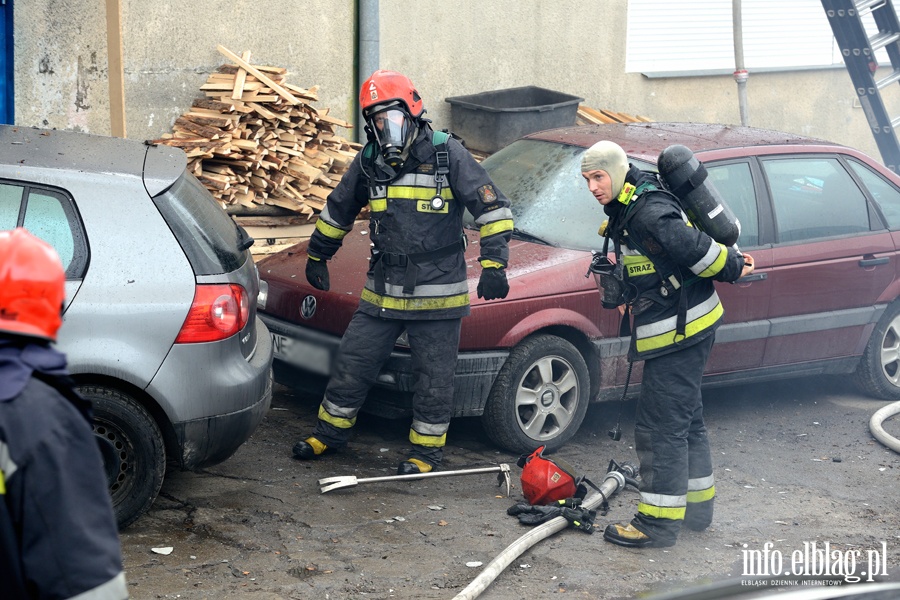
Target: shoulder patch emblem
<point>487,193</point>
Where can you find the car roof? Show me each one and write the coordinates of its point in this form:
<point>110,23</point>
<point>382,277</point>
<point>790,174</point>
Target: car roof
<point>646,140</point>
<point>30,147</point>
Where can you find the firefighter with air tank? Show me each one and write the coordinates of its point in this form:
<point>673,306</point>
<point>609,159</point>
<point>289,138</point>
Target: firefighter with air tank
<point>663,275</point>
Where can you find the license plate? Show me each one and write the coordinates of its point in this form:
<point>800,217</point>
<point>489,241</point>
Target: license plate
<point>302,354</point>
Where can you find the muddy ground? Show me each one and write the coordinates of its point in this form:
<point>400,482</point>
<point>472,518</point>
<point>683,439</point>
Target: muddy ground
<point>795,465</point>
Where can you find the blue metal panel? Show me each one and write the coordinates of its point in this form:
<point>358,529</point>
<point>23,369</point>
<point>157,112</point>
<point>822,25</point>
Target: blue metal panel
<point>7,95</point>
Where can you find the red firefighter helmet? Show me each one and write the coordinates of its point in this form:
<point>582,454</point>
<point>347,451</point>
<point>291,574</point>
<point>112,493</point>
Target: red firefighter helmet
<point>383,87</point>
<point>32,286</point>
<point>545,480</point>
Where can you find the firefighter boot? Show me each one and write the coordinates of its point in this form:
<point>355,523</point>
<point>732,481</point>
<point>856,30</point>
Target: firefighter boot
<point>631,537</point>
<point>310,448</point>
<point>411,466</point>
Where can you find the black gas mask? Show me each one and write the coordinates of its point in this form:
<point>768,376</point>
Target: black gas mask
<point>393,131</point>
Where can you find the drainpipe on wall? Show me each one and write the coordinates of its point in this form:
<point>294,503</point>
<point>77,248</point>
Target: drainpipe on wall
<point>367,59</point>
<point>740,73</point>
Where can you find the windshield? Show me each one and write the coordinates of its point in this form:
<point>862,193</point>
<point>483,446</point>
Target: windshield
<point>549,197</point>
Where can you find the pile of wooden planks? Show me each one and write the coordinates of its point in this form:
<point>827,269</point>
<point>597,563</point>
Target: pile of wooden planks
<point>255,140</point>
<point>591,116</point>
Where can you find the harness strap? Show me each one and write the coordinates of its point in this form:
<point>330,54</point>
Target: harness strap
<point>411,262</point>
<point>672,282</point>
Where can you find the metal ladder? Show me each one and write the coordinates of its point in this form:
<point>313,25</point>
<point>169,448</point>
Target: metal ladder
<point>858,50</point>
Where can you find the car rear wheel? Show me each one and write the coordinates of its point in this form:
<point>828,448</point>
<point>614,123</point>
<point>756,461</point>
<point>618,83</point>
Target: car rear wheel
<point>140,452</point>
<point>878,372</point>
<point>539,397</point>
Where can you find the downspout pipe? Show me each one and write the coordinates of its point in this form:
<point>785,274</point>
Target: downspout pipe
<point>740,73</point>
<point>368,44</point>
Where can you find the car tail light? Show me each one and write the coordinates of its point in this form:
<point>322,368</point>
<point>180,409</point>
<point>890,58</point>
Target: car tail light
<point>219,311</point>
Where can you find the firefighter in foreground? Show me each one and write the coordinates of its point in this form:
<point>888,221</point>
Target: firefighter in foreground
<point>416,183</point>
<point>669,268</point>
<point>58,536</point>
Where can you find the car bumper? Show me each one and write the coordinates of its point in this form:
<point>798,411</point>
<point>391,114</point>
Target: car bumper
<point>213,396</point>
<point>300,352</point>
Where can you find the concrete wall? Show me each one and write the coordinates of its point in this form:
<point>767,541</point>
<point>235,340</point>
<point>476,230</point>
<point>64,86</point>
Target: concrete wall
<point>446,48</point>
<point>169,50</point>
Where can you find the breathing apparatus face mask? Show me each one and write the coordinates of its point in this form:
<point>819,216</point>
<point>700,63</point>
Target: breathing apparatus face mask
<point>393,130</point>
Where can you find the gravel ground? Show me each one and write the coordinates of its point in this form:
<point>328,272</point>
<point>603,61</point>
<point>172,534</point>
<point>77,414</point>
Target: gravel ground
<point>794,462</point>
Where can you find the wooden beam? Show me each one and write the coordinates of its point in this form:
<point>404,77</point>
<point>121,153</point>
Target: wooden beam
<point>258,74</point>
<point>240,77</point>
<point>115,67</point>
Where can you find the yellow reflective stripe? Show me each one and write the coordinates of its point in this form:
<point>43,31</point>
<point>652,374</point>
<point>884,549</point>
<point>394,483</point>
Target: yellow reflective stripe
<point>336,421</point>
<point>402,192</point>
<point>717,264</point>
<point>495,227</point>
<point>491,264</point>
<point>413,303</point>
<point>701,495</point>
<point>2,484</point>
<point>637,265</point>
<point>675,513</point>
<point>378,205</point>
<point>431,441</point>
<point>330,230</point>
<point>691,328</point>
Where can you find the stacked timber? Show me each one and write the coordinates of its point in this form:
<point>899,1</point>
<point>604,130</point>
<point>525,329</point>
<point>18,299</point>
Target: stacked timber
<point>255,140</point>
<point>592,116</point>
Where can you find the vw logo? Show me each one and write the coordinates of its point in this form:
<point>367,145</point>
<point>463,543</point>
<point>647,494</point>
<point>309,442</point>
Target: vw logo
<point>308,307</point>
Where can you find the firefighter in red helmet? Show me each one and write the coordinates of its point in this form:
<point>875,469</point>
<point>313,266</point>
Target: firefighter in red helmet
<point>416,183</point>
<point>58,536</point>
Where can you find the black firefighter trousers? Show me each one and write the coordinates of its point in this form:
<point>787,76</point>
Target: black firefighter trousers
<point>672,445</point>
<point>365,347</point>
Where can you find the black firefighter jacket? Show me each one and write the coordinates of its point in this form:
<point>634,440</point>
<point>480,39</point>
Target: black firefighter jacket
<point>58,536</point>
<point>670,263</point>
<point>405,229</point>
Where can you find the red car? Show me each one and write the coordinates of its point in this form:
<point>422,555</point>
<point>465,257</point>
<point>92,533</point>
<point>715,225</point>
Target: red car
<point>821,220</point>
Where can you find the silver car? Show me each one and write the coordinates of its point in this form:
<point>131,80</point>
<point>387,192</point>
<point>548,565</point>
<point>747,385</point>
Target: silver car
<point>160,325</point>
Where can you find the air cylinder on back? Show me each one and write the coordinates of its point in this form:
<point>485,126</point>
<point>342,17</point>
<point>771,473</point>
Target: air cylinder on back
<point>686,177</point>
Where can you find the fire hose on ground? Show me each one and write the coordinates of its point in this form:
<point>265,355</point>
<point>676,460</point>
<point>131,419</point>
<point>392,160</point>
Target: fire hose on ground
<point>616,479</point>
<point>875,426</point>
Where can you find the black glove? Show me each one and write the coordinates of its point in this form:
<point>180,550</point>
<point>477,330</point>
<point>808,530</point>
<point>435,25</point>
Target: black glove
<point>579,518</point>
<point>534,515</point>
<point>317,274</point>
<point>493,284</point>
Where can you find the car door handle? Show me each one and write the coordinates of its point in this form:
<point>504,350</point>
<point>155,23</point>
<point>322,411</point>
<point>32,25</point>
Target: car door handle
<point>753,277</point>
<point>871,262</point>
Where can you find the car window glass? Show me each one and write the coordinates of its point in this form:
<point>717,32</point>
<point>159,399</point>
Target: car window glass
<point>46,218</point>
<point>814,198</point>
<point>549,198</point>
<point>10,205</point>
<point>885,195</point>
<point>208,236</point>
<point>735,185</point>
